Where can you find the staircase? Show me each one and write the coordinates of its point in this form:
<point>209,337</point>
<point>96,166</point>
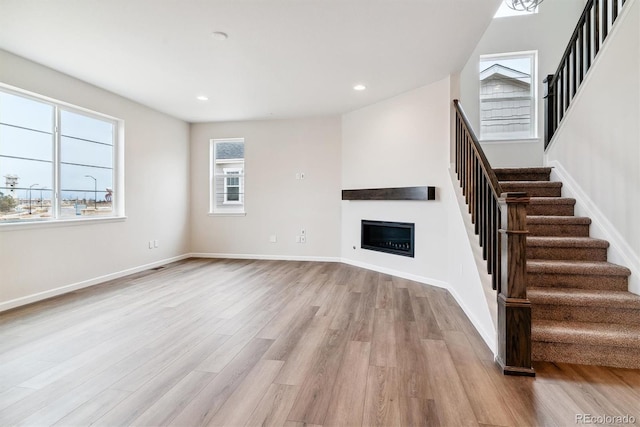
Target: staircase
<point>581,310</point>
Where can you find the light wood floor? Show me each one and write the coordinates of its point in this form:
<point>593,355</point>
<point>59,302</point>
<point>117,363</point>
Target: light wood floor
<point>236,343</point>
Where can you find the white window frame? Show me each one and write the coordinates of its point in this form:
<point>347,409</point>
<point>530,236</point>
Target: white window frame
<point>233,173</point>
<point>117,211</point>
<point>533,55</point>
<point>228,207</point>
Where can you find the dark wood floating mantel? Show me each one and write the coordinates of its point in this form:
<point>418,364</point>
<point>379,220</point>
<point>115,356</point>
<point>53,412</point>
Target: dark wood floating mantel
<point>400,193</point>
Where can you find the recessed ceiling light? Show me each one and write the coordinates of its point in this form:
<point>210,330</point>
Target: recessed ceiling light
<point>202,98</point>
<point>219,35</point>
<point>359,87</point>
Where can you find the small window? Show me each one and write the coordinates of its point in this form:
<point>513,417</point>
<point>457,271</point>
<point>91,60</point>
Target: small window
<point>508,96</point>
<point>57,161</point>
<point>227,176</point>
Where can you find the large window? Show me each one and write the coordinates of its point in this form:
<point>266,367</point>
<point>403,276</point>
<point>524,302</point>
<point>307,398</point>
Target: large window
<point>227,176</point>
<point>56,161</point>
<point>508,96</point>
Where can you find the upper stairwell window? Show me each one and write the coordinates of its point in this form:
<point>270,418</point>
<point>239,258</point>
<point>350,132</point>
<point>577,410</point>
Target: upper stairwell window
<point>505,11</point>
<point>508,96</point>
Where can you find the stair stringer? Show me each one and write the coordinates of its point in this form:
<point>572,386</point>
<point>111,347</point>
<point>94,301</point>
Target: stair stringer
<point>619,251</point>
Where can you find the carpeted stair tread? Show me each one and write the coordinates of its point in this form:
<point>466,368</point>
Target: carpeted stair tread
<point>560,226</point>
<point>557,206</point>
<point>558,219</point>
<point>533,188</point>
<point>581,268</point>
<point>567,248</point>
<point>593,334</point>
<point>571,274</point>
<point>523,174</point>
<point>582,297</point>
<point>566,242</point>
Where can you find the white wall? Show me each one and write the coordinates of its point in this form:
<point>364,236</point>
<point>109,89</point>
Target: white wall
<point>37,262</point>
<point>276,202</point>
<point>548,32</point>
<point>404,141</point>
<point>596,150</point>
<point>397,143</point>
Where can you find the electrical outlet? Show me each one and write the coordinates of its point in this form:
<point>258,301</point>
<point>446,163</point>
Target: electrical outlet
<point>303,239</point>
<point>301,175</point>
<point>150,244</point>
<point>156,243</point>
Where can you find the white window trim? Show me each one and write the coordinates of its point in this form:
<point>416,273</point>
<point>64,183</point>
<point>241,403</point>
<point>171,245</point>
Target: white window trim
<point>533,54</point>
<point>240,208</point>
<point>118,164</point>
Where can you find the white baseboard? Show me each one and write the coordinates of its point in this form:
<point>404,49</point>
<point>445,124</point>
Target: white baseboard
<point>8,305</point>
<point>619,250</point>
<point>264,257</point>
<point>397,273</point>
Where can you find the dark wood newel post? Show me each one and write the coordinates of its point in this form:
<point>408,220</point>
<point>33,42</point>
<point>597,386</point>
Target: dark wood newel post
<point>514,309</point>
<point>549,109</point>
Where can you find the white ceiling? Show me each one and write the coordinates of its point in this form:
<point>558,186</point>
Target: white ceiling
<point>283,58</point>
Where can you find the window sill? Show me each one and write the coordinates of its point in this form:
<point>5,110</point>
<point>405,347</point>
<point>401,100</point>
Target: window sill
<point>227,214</point>
<point>13,226</point>
<point>510,141</point>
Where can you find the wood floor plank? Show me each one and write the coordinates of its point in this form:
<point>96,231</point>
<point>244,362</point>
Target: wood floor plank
<point>487,402</point>
<point>451,399</point>
<point>520,395</point>
<point>203,407</point>
<point>447,321</point>
<point>361,328</point>
<point>345,312</point>
<point>384,294</point>
<point>170,404</point>
<point>383,343</point>
<point>402,305</point>
<point>381,398</point>
<point>315,392</point>
<point>425,319</point>
<point>217,361</point>
<point>93,409</point>
<point>418,412</point>
<point>244,400</point>
<point>301,358</point>
<point>274,407</point>
<point>347,402</point>
<point>412,360</point>
<point>166,377</point>
<point>287,340</point>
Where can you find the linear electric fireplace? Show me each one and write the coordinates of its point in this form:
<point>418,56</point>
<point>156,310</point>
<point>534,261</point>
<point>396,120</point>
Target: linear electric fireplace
<point>391,237</point>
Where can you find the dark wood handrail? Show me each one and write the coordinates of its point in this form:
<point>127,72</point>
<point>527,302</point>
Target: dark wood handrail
<point>593,27</point>
<point>484,163</point>
<point>500,223</point>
